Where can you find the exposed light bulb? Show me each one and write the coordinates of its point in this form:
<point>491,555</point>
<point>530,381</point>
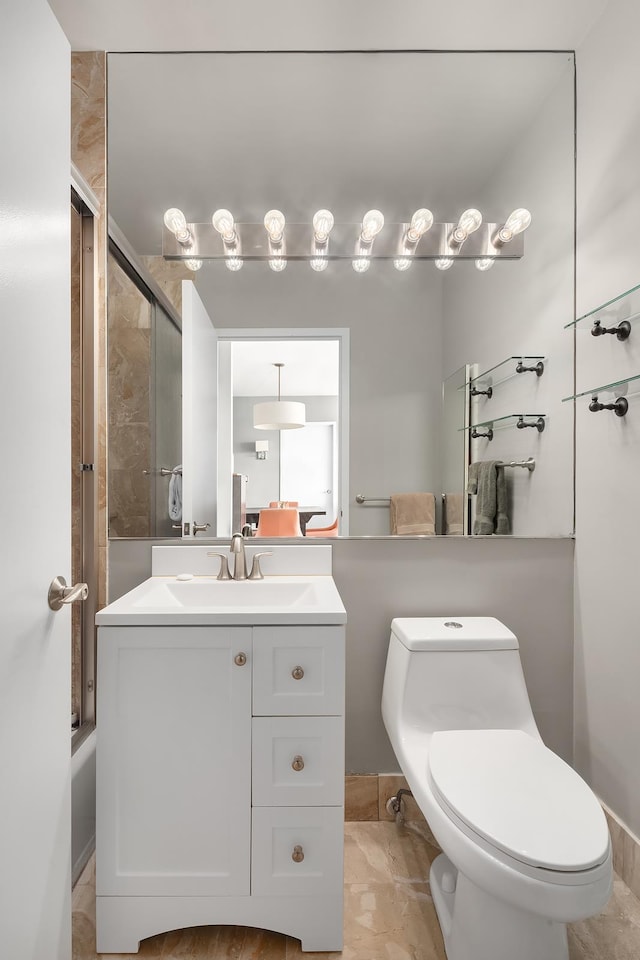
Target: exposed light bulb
<point>469,221</point>
<point>322,225</point>
<point>274,224</point>
<point>176,221</point>
<point>361,265</point>
<point>402,263</point>
<point>278,264</point>
<point>193,264</point>
<point>223,222</point>
<point>421,221</point>
<point>485,263</point>
<point>372,224</point>
<point>515,223</point>
<point>443,263</point>
<point>319,264</point>
<point>233,263</point>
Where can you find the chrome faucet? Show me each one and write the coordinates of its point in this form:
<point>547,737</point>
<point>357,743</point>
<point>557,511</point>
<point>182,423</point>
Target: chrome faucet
<point>240,561</point>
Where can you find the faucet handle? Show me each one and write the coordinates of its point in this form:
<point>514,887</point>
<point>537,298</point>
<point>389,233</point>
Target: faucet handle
<point>224,566</point>
<point>256,572</point>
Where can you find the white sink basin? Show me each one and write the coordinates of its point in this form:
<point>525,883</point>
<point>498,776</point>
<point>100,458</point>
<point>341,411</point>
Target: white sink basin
<point>205,600</point>
<point>227,594</point>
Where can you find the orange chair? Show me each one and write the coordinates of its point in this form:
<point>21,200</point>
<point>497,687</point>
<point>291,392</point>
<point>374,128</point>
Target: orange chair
<point>331,531</point>
<point>279,522</point>
<point>283,503</point>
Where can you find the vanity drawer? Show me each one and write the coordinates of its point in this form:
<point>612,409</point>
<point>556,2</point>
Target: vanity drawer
<point>296,851</point>
<point>297,761</point>
<point>298,671</point>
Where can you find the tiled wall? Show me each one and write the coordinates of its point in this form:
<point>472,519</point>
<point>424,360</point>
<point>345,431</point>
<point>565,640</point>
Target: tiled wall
<point>89,154</point>
<point>129,441</point>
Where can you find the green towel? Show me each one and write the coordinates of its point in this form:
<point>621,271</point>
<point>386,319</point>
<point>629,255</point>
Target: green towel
<point>487,480</point>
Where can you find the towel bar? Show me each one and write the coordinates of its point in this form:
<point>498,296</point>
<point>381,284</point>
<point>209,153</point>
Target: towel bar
<point>163,472</point>
<point>360,498</point>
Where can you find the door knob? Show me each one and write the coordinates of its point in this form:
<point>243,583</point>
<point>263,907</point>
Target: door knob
<point>297,673</point>
<point>60,593</point>
<point>298,854</point>
<point>240,659</point>
<point>298,763</point>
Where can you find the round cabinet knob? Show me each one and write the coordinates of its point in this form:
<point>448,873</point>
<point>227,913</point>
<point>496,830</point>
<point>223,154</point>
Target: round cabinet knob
<point>298,763</point>
<point>241,659</point>
<point>297,673</point>
<point>298,854</point>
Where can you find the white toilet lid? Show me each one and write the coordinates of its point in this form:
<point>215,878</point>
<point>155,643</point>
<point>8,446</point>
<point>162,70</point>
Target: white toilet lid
<point>509,788</point>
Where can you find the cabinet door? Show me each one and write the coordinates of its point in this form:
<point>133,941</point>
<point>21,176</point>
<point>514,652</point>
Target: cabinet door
<point>174,765</point>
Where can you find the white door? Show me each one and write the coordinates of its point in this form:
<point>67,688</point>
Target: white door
<point>308,469</point>
<point>35,399</point>
<point>199,414</point>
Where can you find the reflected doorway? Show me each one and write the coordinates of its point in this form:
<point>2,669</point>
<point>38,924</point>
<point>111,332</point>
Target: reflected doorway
<point>308,465</point>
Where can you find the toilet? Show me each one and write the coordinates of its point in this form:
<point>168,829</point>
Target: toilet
<point>525,843</point>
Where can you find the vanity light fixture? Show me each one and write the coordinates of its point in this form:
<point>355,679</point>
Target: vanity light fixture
<point>319,240</point>
<point>279,414</point>
<point>421,221</point>
<point>262,449</point>
<point>193,264</point>
<point>223,222</point>
<point>468,223</point>
<point>274,223</point>
<point>516,223</point>
<point>176,222</point>
<point>322,226</point>
<point>372,224</point>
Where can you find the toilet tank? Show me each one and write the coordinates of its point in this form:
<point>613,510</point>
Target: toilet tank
<point>454,673</point>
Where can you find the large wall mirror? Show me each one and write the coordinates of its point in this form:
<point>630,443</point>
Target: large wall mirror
<point>445,367</point>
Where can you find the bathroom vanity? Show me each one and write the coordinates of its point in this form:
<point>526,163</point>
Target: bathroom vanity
<point>221,752</point>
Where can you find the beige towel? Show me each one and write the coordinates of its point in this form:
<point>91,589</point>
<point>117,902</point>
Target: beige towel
<point>413,513</point>
<point>453,507</point>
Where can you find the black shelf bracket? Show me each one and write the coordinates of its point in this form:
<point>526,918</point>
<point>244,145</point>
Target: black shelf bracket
<point>539,424</point>
<point>622,331</point>
<point>537,368</point>
<point>620,405</point>
<point>477,435</point>
<point>488,393</point>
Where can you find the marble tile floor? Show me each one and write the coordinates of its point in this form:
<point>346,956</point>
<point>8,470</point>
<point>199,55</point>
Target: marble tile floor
<point>389,913</point>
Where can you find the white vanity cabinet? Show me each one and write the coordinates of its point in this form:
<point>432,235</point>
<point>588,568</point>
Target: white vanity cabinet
<point>220,781</point>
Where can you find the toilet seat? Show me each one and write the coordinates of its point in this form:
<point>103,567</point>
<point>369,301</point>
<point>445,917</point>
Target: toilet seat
<point>521,798</point>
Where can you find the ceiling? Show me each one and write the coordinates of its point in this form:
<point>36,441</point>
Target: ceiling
<point>330,25</point>
<point>311,368</point>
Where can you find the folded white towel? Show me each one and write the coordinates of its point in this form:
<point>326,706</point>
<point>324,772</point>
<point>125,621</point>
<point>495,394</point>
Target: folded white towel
<point>175,494</point>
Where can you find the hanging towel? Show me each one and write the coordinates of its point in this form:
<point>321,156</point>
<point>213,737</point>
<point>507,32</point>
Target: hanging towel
<point>175,494</point>
<point>487,480</point>
<point>413,513</point>
<point>453,512</point>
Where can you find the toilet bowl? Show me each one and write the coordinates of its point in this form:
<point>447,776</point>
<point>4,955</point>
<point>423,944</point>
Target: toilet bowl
<point>525,842</point>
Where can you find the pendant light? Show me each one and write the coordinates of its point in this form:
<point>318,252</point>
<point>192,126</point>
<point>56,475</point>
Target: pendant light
<point>279,414</point>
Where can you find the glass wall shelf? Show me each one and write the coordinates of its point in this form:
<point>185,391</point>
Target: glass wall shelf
<point>510,420</point>
<point>504,370</point>
<point>613,311</point>
<point>604,387</point>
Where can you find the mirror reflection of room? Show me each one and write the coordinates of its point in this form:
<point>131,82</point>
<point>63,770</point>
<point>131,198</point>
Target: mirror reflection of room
<point>290,462</point>
<point>481,144</point>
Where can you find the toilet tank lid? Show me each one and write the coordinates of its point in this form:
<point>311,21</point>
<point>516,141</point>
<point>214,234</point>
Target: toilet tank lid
<point>453,633</point>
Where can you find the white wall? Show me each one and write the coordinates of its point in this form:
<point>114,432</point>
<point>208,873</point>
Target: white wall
<point>607,661</point>
<point>521,307</point>
<point>264,475</point>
